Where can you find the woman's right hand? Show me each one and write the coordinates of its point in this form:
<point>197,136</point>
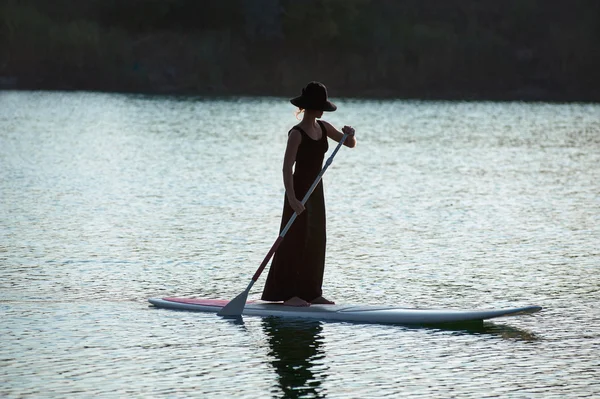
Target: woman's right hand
<point>296,205</point>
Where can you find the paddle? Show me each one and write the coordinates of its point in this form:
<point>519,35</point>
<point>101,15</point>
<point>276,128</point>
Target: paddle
<point>235,307</point>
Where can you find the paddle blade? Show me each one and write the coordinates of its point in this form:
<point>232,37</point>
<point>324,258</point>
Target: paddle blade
<point>235,307</point>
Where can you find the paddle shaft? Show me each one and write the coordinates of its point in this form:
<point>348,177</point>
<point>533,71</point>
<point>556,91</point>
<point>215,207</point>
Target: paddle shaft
<point>295,215</point>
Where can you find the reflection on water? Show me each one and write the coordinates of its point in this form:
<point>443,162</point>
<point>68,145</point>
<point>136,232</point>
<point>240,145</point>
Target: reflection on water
<point>504,331</point>
<point>297,356</point>
<point>507,332</point>
<point>106,200</point>
<point>236,320</point>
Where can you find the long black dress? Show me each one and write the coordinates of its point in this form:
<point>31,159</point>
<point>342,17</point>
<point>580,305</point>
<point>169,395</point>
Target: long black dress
<point>299,263</point>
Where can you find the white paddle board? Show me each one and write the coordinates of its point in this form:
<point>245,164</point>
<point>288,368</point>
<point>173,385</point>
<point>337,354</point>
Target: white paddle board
<point>350,313</point>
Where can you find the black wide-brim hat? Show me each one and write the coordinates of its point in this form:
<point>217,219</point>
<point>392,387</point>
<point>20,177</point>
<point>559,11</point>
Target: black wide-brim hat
<point>314,96</point>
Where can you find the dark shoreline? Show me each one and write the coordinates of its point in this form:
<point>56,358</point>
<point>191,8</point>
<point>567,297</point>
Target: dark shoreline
<point>340,94</point>
<point>479,50</point>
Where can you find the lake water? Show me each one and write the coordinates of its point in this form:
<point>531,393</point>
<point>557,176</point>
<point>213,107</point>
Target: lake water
<point>107,199</point>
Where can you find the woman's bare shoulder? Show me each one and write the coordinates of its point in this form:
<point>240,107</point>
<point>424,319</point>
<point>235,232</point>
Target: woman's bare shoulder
<point>326,124</point>
<point>332,132</point>
<point>294,135</point>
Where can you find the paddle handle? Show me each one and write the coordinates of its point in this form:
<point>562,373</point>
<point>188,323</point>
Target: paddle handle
<point>295,215</point>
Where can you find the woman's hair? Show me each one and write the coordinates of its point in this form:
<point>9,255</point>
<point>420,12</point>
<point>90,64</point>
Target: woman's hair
<point>298,112</point>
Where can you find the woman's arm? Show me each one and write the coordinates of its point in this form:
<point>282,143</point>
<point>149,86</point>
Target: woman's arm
<point>294,140</point>
<point>336,135</point>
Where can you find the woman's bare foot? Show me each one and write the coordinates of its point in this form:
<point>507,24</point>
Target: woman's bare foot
<point>322,301</point>
<point>295,301</point>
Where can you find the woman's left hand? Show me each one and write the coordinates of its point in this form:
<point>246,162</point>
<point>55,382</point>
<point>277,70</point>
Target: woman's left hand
<point>349,130</point>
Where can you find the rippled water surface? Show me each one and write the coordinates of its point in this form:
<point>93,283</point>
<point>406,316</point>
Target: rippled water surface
<point>106,200</point>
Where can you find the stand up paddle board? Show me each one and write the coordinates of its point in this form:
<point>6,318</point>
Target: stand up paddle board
<point>349,313</point>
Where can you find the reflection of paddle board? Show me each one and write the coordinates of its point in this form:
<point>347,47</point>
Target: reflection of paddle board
<point>351,313</point>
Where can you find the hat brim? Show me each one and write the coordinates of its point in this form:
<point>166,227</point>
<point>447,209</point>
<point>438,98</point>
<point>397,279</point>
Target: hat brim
<point>301,102</point>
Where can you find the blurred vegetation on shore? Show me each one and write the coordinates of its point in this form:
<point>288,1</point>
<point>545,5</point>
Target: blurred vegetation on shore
<point>433,49</point>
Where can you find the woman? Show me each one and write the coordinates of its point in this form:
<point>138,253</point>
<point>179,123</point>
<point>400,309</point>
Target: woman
<point>296,274</point>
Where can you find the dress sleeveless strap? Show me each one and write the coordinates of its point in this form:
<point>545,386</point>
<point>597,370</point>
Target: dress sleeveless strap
<point>299,129</point>
<point>323,131</point>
